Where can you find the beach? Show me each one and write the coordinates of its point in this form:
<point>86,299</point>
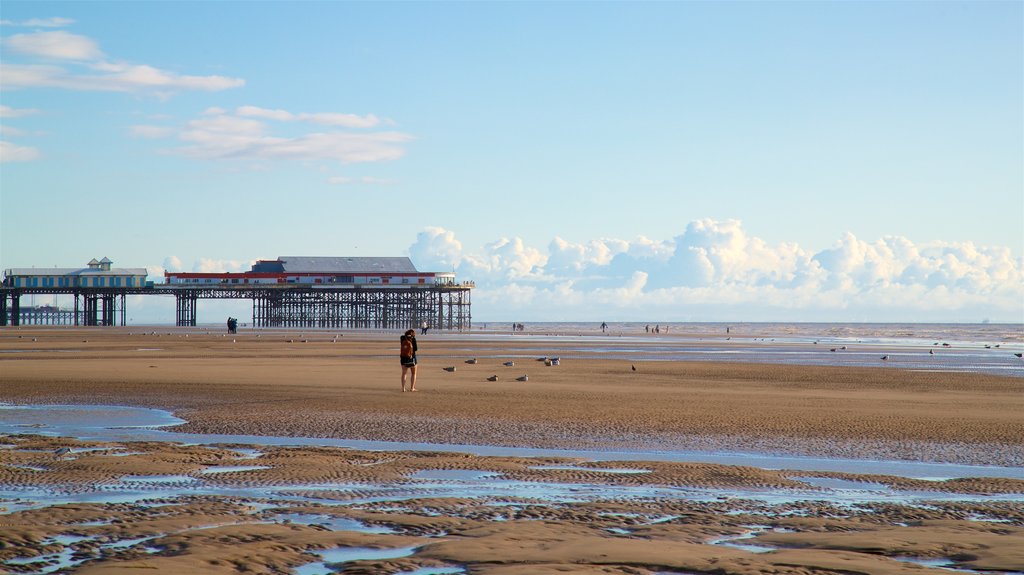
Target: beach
<point>602,395</point>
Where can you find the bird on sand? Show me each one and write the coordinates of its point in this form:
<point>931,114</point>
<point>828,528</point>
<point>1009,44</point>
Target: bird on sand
<point>523,378</point>
<point>931,352</point>
<point>885,357</point>
<point>492,378</point>
<point>509,364</point>
<point>471,361</point>
<point>1019,354</point>
<point>633,367</point>
<point>449,369</point>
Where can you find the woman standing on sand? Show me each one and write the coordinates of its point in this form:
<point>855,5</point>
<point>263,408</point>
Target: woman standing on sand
<point>407,355</point>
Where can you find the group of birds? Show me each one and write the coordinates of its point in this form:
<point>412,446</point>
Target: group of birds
<point>549,361</point>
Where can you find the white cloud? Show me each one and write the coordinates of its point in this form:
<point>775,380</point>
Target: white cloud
<point>54,22</point>
<point>57,45</point>
<point>14,153</point>
<point>172,264</point>
<point>344,180</point>
<point>219,266</point>
<point>58,59</point>
<point>714,270</point>
<point>218,134</point>
<point>151,132</point>
<point>9,112</point>
<point>326,119</point>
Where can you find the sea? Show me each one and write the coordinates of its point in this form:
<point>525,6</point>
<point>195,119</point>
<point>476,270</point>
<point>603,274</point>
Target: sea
<point>941,347</point>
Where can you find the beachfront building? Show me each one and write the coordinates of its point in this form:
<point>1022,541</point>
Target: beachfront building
<point>96,274</point>
<point>320,271</point>
<point>98,289</point>
<point>332,292</point>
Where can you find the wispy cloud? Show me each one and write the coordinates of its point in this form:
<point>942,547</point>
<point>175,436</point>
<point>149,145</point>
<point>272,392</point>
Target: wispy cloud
<point>345,180</point>
<point>10,153</point>
<point>249,133</point>
<point>40,23</point>
<point>714,269</point>
<point>59,45</point>
<point>59,59</point>
<point>325,119</point>
<point>9,112</point>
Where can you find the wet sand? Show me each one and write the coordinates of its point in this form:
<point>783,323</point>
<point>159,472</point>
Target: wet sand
<point>324,385</point>
<point>320,385</point>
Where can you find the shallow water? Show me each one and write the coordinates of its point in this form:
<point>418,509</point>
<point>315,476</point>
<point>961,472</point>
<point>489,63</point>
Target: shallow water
<point>272,503</point>
<point>120,423</point>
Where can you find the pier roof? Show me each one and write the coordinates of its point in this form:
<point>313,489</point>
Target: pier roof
<point>75,272</point>
<point>347,264</point>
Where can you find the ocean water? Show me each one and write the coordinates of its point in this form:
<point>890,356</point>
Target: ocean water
<point>981,348</point>
<point>909,333</point>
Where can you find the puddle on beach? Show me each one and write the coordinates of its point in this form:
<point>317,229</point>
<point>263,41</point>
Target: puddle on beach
<point>481,494</point>
<point>118,423</point>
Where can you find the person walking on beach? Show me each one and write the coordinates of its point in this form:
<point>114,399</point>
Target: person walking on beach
<point>407,355</point>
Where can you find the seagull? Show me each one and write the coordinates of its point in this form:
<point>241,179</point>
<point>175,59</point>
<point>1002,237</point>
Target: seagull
<point>931,352</point>
<point>449,369</point>
<point>542,359</point>
<point>523,378</point>
<point>471,361</point>
<point>61,452</point>
<point>633,366</point>
<point>492,378</point>
<point>885,357</point>
<point>833,349</point>
<point>509,363</point>
<point>1019,354</point>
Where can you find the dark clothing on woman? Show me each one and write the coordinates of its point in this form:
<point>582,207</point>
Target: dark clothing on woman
<point>407,353</point>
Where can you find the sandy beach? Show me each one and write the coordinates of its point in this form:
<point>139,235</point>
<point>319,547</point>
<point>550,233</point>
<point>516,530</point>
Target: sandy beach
<point>346,385</point>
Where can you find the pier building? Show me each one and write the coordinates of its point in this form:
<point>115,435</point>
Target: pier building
<point>290,291</point>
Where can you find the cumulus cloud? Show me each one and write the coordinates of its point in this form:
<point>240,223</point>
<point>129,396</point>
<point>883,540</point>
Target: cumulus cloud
<point>172,264</point>
<point>205,265</point>
<point>59,59</point>
<point>252,133</point>
<point>208,265</point>
<point>715,270</point>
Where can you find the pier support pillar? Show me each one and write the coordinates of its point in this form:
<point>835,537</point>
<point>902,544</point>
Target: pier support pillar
<point>186,309</point>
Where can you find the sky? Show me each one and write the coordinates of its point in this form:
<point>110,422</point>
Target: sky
<point>579,161</point>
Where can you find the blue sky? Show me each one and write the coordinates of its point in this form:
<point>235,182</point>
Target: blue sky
<point>580,160</point>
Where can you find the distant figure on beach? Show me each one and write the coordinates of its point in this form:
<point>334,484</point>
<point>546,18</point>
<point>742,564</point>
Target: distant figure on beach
<point>647,328</point>
<point>424,328</point>
<point>657,329</point>
<point>407,356</point>
<point>232,325</point>
<point>604,326</point>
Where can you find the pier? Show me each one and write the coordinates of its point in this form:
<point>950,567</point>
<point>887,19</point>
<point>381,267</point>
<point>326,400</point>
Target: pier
<point>444,307</point>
